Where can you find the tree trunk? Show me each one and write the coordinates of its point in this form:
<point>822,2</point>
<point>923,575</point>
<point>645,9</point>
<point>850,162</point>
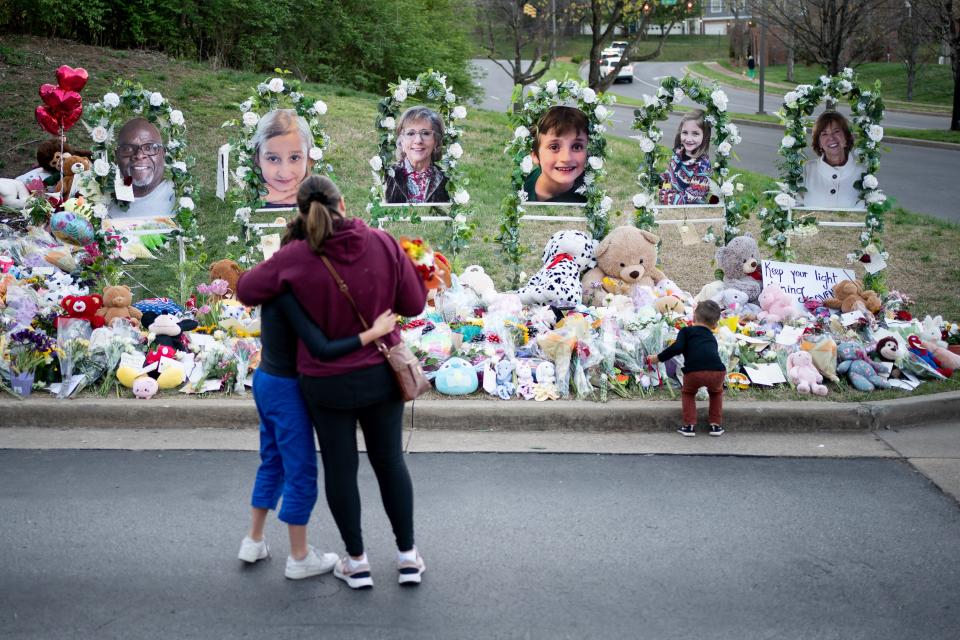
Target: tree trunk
<point>790,56</point>
<point>955,118</point>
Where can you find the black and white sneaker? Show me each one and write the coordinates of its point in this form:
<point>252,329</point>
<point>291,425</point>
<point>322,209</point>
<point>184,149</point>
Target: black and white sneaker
<point>686,430</point>
<point>716,430</point>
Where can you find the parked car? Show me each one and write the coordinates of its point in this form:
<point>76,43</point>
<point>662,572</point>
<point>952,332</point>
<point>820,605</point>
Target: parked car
<point>609,64</point>
<point>619,45</point>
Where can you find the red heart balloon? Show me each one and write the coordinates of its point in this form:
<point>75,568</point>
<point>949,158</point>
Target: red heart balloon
<point>47,120</point>
<point>59,100</point>
<point>70,119</point>
<point>48,96</point>
<point>71,79</point>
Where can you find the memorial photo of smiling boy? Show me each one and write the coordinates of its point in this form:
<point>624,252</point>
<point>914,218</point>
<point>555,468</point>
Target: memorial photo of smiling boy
<point>560,152</point>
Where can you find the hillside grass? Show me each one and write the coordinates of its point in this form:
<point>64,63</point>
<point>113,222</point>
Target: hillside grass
<point>924,251</point>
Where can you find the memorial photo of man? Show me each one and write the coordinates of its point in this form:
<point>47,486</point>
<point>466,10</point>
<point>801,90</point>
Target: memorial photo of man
<point>140,157</point>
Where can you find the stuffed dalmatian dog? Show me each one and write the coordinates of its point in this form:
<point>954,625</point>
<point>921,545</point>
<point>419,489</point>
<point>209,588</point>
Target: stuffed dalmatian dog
<point>567,255</point>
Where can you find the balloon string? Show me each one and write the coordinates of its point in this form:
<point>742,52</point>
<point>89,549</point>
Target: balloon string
<point>60,168</point>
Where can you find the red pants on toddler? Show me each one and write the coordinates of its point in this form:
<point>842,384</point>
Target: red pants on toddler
<point>692,381</point>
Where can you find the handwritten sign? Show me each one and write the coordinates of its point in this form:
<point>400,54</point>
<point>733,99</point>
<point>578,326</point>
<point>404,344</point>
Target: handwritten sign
<point>803,281</point>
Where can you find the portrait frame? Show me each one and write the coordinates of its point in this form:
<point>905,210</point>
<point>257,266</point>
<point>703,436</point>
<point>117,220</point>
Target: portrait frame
<point>534,105</point>
<point>241,184</point>
<point>734,205</point>
<point>778,223</point>
<point>428,89</point>
<point>125,101</point>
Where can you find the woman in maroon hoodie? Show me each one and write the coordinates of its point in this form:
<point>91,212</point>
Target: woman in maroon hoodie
<point>359,386</point>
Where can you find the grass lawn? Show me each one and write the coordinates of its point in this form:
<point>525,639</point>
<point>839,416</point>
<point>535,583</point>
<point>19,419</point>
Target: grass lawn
<point>925,262</point>
<point>677,48</point>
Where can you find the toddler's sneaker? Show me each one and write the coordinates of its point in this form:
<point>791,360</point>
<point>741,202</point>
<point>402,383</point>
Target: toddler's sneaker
<point>411,570</point>
<point>313,564</point>
<point>716,430</point>
<point>357,576</point>
<point>252,550</point>
<point>686,430</point>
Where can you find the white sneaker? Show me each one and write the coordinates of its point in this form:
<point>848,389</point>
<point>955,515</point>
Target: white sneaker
<point>313,564</point>
<point>252,550</point>
<point>411,570</point>
<point>356,578</point>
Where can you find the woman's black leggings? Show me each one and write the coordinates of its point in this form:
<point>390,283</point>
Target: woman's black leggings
<point>382,431</point>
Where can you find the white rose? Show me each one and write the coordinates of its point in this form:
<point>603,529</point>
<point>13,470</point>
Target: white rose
<point>788,142</point>
<point>400,94</point>
<point>242,214</point>
<point>876,197</point>
<point>790,99</point>
<point>601,113</point>
<point>262,88</point>
<point>845,86</point>
<point>101,167</point>
<point>595,163</point>
<point>526,165</point>
<point>461,197</point>
<point>825,80</point>
<point>719,99</point>
<point>173,144</point>
<point>875,132</point>
<point>246,105</point>
<point>459,112</point>
<point>724,148</point>
<point>111,100</point>
<point>552,87</point>
<point>661,92</point>
<point>376,163</point>
<point>320,107</point>
<point>242,172</point>
<point>589,95</point>
<point>100,210</point>
<point>275,85</point>
<point>156,99</point>
<point>455,150</point>
<point>606,203</point>
<point>646,144</point>
<point>739,186</point>
<point>727,189</point>
<point>250,119</point>
<point>315,153</point>
<point>650,101</point>
<point>180,166</point>
<point>785,201</point>
<point>641,200</point>
<point>99,134</point>
<point>847,72</point>
<point>870,181</point>
<point>732,129</point>
<point>521,132</point>
<point>232,240</point>
<point>186,202</point>
<point>388,123</point>
<point>678,95</point>
<point>176,117</point>
<point>450,98</point>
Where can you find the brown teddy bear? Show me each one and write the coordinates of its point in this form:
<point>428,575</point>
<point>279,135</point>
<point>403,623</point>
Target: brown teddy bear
<point>626,259</point>
<point>72,165</point>
<point>848,293</point>
<point>226,270</point>
<point>48,158</point>
<point>117,303</point>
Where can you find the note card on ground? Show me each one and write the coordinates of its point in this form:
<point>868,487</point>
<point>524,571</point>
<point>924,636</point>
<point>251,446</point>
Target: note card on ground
<point>804,280</point>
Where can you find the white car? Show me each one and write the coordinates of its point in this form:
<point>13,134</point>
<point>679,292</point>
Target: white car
<point>607,65</point>
<point>619,45</point>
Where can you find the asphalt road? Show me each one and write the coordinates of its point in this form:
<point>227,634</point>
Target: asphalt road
<point>113,544</point>
<point>921,179</point>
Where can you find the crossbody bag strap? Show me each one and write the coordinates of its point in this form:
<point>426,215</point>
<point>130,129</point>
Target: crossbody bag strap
<point>346,291</point>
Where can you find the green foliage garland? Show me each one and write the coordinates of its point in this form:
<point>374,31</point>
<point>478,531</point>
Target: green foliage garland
<point>535,104</point>
<point>867,112</point>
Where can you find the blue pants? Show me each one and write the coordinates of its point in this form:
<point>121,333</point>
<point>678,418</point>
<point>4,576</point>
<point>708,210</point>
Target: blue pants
<point>288,455</point>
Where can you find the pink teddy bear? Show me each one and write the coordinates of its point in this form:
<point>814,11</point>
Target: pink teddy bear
<point>803,374</point>
<point>776,305</point>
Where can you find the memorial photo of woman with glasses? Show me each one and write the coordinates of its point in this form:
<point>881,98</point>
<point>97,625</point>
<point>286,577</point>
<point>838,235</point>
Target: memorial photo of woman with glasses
<point>415,178</point>
<point>140,157</point>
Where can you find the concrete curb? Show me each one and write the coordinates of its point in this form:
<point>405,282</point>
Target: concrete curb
<point>492,415</point>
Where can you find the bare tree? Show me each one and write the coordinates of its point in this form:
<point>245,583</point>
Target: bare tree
<point>528,26</point>
<point>946,25</point>
<point>834,33</point>
<point>606,15</point>
<point>738,32</point>
<point>915,19</point>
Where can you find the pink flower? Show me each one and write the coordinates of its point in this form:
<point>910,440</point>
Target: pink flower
<point>219,287</point>
<point>204,309</point>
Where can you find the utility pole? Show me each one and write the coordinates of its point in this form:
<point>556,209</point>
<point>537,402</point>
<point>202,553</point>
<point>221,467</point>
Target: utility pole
<point>553,30</point>
<point>762,56</point>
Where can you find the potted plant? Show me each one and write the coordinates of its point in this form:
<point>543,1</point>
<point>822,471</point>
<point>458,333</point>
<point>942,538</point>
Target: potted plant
<point>26,350</point>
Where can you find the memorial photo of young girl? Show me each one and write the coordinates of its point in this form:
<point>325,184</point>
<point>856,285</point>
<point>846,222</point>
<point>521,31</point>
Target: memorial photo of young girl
<point>687,178</point>
<point>560,153</point>
<point>281,144</point>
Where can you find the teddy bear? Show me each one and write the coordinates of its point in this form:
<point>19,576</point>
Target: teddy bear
<point>72,166</point>
<point>859,369</point>
<point>804,375</point>
<point>228,271</point>
<point>82,307</point>
<point>13,193</point>
<point>625,259</point>
<point>849,295</point>
<point>48,158</point>
<point>776,305</point>
<point>504,372</point>
<point>476,280</point>
<point>117,303</point>
<point>567,254</point>
<point>739,260</point>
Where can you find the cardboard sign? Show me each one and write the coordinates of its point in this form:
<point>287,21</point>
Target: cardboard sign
<point>804,280</point>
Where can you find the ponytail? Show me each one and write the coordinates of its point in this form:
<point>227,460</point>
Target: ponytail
<point>318,199</point>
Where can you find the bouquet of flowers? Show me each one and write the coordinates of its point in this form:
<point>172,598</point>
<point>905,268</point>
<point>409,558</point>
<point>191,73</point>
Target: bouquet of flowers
<point>244,350</point>
<point>28,349</point>
<point>432,266</point>
<point>73,341</point>
<point>208,314</point>
<point>123,338</point>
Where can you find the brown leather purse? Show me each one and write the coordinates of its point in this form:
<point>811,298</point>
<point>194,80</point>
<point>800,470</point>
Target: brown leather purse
<point>405,366</point>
